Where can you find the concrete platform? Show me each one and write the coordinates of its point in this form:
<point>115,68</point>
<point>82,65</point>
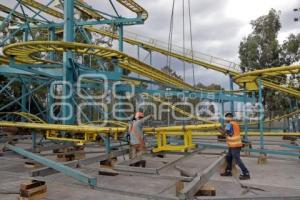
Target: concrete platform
<point>277,177</point>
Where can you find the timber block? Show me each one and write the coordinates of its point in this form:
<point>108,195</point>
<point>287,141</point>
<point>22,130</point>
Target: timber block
<point>262,159</point>
<point>108,163</point>
<point>206,190</point>
<point>33,190</point>
<point>32,165</point>
<point>70,153</point>
<point>179,187</point>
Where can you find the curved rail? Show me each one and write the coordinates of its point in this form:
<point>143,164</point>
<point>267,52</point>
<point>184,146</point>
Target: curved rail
<point>25,52</point>
<point>187,114</point>
<point>134,7</point>
<point>250,78</point>
<point>117,123</point>
<point>207,61</point>
<point>30,117</point>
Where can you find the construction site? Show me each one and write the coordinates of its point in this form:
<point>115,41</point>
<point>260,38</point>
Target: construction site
<point>74,81</point>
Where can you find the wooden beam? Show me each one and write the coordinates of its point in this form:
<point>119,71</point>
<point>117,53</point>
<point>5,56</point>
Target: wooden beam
<point>199,181</point>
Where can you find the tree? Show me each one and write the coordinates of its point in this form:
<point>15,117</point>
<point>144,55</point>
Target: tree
<point>261,49</point>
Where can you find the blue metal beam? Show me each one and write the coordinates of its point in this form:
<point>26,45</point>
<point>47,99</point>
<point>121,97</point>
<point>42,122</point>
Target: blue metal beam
<point>68,171</point>
<point>261,151</point>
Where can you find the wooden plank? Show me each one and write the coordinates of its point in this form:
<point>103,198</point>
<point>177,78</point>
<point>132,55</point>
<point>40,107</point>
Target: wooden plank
<point>179,187</point>
<point>201,179</point>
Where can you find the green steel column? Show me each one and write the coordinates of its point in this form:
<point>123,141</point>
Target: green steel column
<point>245,119</point>
<point>222,113</point>
<point>261,113</point>
<point>67,68</point>
<point>51,38</point>
<point>33,136</point>
<point>231,88</point>
<point>50,101</point>
<point>24,99</point>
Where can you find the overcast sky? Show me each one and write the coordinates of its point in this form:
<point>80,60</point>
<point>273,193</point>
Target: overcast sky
<point>218,26</point>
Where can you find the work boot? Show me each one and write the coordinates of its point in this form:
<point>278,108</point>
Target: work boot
<point>226,173</point>
<point>244,176</point>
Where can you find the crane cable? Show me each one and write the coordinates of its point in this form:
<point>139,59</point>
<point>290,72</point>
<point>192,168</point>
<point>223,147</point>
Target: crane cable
<point>191,40</point>
<point>170,39</point>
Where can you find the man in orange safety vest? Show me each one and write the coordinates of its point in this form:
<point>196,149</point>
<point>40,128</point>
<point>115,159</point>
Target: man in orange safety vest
<point>234,143</point>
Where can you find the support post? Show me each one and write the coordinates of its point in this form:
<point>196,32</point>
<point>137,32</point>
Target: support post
<point>245,118</point>
<point>261,113</point>
<point>51,38</point>
<point>67,104</point>
<point>231,88</point>
<point>222,113</point>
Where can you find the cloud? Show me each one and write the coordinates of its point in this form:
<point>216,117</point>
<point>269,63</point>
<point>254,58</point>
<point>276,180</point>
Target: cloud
<point>218,27</point>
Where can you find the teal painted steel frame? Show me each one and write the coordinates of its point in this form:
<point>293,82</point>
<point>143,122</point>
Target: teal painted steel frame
<point>76,174</point>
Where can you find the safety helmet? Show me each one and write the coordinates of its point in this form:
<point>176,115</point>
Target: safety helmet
<point>229,114</point>
<point>139,115</point>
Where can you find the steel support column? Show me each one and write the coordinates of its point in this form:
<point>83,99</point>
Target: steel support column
<point>231,88</point>
<point>261,113</point>
<point>67,105</point>
<point>245,118</point>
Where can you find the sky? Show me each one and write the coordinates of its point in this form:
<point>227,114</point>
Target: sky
<point>218,26</point>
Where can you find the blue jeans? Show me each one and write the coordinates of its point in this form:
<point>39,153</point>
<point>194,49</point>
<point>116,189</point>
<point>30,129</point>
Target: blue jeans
<point>234,153</point>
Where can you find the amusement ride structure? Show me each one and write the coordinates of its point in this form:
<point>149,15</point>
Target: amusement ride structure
<point>61,53</point>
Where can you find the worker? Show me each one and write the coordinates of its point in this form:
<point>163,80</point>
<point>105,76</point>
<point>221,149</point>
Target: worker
<point>137,143</point>
<point>234,143</point>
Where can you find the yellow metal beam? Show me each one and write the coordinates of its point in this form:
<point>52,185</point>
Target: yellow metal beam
<point>25,52</point>
<point>187,114</point>
<point>192,58</point>
<point>42,7</point>
<point>134,7</point>
<point>85,8</point>
<point>18,15</point>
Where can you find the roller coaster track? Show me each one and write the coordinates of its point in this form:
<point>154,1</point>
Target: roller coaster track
<point>187,114</point>
<point>16,14</point>
<point>117,123</point>
<point>30,117</point>
<point>42,7</point>
<point>134,7</point>
<point>107,130</point>
<point>197,58</point>
<point>25,51</point>
<point>251,77</point>
<point>297,112</point>
<point>87,9</point>
<point>184,113</point>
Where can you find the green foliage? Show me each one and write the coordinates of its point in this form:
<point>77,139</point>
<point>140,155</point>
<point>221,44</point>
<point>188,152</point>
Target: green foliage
<point>261,49</point>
